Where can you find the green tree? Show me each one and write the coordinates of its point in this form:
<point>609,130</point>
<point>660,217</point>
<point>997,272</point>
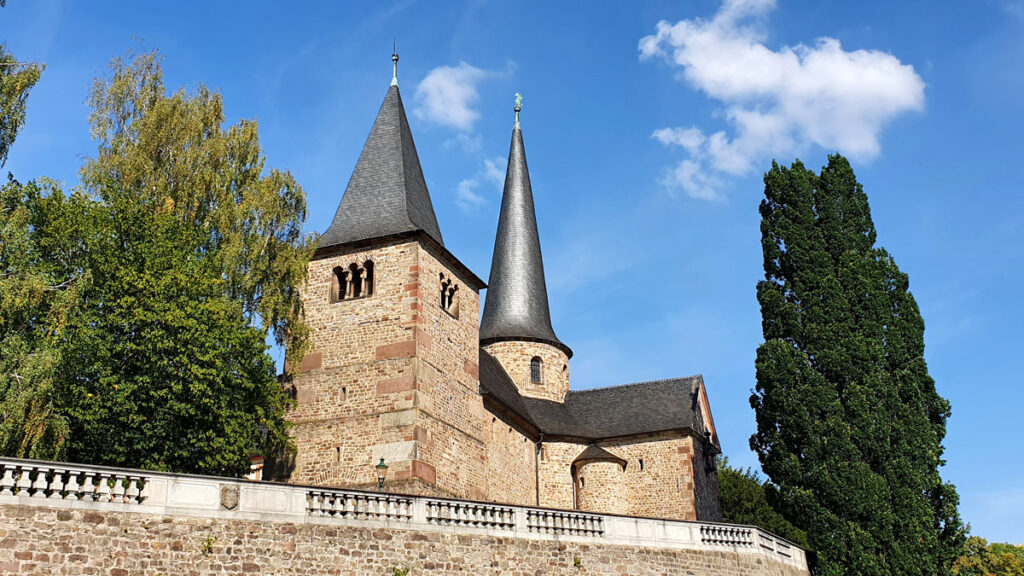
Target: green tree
<point>195,255</point>
<point>135,311</point>
<point>849,424</point>
<point>982,559</point>
<point>35,296</point>
<point>171,152</point>
<point>748,500</point>
<point>16,81</point>
<point>161,367</point>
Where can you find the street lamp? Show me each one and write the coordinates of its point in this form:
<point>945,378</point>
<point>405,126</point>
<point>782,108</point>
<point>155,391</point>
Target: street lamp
<point>382,470</point>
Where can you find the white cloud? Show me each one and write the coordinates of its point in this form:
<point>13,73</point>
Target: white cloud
<point>468,196</point>
<point>776,102</point>
<point>465,142</point>
<point>447,95</point>
<point>494,170</point>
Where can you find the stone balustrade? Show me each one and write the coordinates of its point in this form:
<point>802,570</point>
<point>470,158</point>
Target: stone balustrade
<point>564,523</point>
<point>56,481</point>
<point>57,485</point>
<point>471,514</point>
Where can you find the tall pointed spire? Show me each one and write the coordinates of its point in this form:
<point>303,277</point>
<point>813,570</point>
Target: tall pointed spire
<point>387,193</point>
<point>517,297</point>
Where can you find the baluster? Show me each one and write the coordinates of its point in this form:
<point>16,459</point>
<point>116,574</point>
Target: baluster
<point>57,485</point>
<point>23,482</point>
<point>131,490</point>
<point>88,488</point>
<point>39,486</point>
<point>362,506</point>
<point>117,489</point>
<point>143,490</point>
<point>72,487</point>
<point>103,488</point>
<point>7,482</point>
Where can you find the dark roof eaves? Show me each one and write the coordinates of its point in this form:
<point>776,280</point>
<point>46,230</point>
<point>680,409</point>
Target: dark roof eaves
<point>641,383</point>
<point>556,343</point>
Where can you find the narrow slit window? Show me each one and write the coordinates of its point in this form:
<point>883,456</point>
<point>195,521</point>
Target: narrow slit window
<point>536,371</point>
<point>641,464</point>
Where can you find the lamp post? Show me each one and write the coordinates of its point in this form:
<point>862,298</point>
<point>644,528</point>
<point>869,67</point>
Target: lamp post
<point>382,470</point>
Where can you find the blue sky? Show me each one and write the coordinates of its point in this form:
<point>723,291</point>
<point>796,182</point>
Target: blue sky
<point>646,144</point>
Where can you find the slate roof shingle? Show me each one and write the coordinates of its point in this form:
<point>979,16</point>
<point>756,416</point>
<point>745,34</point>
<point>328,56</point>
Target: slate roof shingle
<point>387,193</point>
<point>516,307</point>
<point>600,413</point>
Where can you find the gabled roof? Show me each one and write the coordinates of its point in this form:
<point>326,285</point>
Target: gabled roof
<point>516,307</point>
<point>387,194</point>
<point>600,413</point>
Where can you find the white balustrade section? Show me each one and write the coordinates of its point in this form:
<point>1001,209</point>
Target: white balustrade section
<point>359,505</point>
<point>471,514</point>
<point>55,481</point>
<point>725,535</point>
<point>564,523</point>
<point>59,485</point>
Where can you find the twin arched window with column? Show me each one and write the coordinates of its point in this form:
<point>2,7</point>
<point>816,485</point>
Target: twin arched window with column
<point>352,281</point>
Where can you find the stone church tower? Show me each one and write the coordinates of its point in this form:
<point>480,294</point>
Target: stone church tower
<point>516,325</point>
<point>393,317</point>
<point>401,368</point>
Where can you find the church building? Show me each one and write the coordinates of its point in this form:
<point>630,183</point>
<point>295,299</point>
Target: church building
<point>404,368</point>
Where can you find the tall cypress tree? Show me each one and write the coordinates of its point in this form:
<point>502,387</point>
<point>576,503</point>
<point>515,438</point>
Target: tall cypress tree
<point>849,424</point>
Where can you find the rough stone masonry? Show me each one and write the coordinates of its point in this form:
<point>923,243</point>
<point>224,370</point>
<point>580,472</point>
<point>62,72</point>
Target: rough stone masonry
<point>47,541</point>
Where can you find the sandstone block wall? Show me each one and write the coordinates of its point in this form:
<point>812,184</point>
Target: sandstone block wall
<point>515,357</point>
<point>511,464</point>
<point>47,541</point>
<point>665,486</point>
<point>391,375</point>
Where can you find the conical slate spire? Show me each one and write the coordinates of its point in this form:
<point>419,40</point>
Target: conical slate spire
<point>517,297</point>
<point>387,193</point>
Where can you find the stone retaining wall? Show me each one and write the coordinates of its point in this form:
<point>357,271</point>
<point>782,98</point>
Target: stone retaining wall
<point>67,519</point>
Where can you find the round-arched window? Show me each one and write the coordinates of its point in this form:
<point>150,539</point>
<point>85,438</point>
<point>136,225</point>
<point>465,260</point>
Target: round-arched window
<point>536,371</point>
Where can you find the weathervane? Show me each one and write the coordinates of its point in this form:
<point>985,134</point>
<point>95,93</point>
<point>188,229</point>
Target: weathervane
<point>394,58</point>
<point>519,105</point>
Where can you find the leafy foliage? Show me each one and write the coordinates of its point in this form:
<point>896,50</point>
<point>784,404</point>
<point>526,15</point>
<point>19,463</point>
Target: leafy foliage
<point>170,153</point>
<point>983,559</point>
<point>849,424</point>
<point>135,311</point>
<point>37,297</point>
<point>16,81</point>
<point>748,500</point>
